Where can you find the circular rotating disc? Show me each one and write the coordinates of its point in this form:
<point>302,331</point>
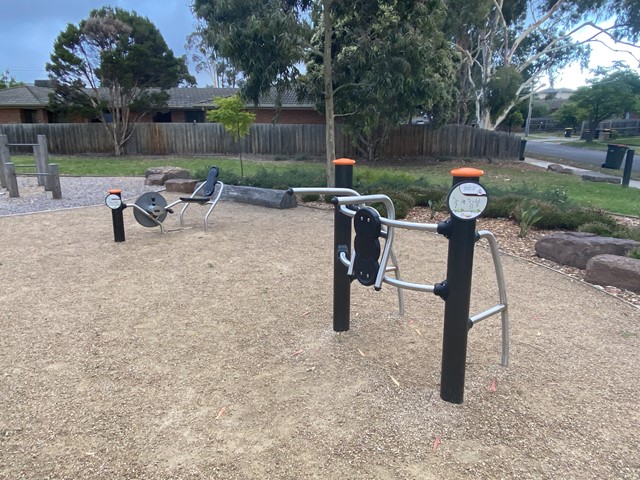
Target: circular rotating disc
<point>154,204</point>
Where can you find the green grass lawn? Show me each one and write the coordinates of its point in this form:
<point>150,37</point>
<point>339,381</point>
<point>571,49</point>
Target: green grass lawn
<point>500,177</point>
<point>136,166</point>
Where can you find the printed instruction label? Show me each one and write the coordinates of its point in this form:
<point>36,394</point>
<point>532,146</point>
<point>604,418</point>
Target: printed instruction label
<point>467,200</point>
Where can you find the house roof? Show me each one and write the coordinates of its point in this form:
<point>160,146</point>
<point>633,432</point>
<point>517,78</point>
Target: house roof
<point>179,98</point>
<point>24,96</point>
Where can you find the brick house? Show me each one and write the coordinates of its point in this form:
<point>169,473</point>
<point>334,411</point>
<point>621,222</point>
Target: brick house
<point>30,104</point>
<point>25,104</point>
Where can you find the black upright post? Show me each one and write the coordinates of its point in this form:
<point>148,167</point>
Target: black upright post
<point>628,164</point>
<point>114,201</point>
<point>342,243</point>
<point>462,236</point>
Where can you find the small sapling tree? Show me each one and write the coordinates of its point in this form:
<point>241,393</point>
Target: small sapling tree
<point>231,113</point>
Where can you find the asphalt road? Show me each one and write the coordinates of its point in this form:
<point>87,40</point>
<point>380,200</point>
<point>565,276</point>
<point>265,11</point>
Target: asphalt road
<point>578,155</point>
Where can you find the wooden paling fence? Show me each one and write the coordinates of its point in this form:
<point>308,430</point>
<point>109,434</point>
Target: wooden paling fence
<point>452,141</point>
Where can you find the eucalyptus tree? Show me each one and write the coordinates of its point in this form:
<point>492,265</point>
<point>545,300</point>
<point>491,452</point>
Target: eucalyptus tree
<point>267,41</point>
<point>511,44</point>
<point>8,81</point>
<point>371,62</point>
<point>205,59</point>
<point>390,61</point>
<point>114,66</point>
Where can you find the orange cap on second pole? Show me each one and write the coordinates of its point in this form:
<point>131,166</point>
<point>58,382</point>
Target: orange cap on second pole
<point>467,172</point>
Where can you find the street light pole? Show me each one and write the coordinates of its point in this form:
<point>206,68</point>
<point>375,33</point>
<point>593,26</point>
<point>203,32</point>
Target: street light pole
<point>528,125</point>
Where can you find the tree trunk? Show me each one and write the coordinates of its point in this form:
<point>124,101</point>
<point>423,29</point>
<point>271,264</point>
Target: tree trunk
<point>330,141</point>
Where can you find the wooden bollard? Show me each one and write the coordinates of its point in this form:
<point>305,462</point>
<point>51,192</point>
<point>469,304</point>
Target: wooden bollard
<point>54,181</point>
<point>12,180</point>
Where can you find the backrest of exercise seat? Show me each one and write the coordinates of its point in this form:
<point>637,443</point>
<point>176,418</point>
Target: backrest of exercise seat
<point>210,184</point>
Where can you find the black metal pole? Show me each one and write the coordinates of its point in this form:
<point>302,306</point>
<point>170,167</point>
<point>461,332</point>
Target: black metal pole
<point>117,217</point>
<point>456,311</point>
<point>628,163</point>
<point>342,243</point>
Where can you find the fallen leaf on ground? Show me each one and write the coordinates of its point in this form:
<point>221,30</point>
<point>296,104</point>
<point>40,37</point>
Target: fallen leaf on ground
<point>494,385</point>
<point>295,354</point>
<point>436,442</point>
<point>221,412</point>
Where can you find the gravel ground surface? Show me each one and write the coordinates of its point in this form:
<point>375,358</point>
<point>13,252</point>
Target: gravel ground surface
<point>210,355</point>
<point>76,192</point>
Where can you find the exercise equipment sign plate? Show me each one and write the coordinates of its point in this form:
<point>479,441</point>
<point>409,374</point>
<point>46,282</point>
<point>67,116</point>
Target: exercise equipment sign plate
<point>113,201</point>
<point>467,200</point>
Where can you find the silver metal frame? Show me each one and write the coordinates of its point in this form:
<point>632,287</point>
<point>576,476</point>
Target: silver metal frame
<point>392,223</point>
<point>213,200</point>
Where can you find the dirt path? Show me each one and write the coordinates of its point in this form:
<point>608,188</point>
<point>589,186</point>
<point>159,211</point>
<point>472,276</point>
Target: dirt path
<point>211,355</point>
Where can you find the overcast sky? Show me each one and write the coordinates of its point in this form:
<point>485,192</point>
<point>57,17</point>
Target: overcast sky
<point>28,29</point>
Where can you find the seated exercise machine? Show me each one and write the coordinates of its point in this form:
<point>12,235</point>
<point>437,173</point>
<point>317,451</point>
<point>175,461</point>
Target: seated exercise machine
<point>151,208</point>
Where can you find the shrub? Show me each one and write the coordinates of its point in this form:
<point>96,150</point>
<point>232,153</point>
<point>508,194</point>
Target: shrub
<point>527,214</point>
<point>502,207</point>
<point>402,208</point>
<point>312,197</point>
<point>632,233</point>
<point>282,179</point>
<point>555,218</point>
<point>597,228</point>
<point>635,253</point>
<point>404,197</point>
<point>425,196</point>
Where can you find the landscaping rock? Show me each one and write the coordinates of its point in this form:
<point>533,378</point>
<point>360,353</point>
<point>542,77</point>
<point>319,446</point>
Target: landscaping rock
<point>162,174</point>
<point>614,270</point>
<point>181,185</point>
<point>554,167</point>
<point>577,248</point>
<point>156,179</point>
<point>595,178</point>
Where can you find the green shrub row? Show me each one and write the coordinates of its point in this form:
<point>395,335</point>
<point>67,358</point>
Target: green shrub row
<point>530,206</point>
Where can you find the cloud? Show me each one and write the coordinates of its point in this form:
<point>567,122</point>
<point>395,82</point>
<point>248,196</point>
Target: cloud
<point>30,27</point>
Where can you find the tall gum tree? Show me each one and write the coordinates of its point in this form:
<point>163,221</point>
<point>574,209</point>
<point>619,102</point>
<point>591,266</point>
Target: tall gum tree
<point>366,62</point>
<point>529,38</point>
<point>266,41</point>
<point>116,67</point>
<point>390,61</point>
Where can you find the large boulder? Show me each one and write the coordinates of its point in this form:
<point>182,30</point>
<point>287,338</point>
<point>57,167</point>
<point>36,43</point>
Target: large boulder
<point>181,185</point>
<point>576,248</point>
<point>613,270</point>
<point>159,175</point>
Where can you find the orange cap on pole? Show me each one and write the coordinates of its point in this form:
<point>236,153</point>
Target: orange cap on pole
<point>115,190</point>
<point>344,161</point>
<point>467,172</point>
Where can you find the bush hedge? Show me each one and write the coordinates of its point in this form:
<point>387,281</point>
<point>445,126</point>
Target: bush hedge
<point>406,191</point>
